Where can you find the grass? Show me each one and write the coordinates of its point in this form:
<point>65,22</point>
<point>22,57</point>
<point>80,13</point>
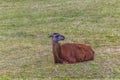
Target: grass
<point>25,49</point>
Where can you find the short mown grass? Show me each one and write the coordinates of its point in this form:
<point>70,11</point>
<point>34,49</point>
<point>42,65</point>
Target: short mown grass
<point>25,49</point>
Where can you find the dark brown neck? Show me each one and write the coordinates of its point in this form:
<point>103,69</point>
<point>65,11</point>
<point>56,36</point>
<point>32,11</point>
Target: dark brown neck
<point>57,52</point>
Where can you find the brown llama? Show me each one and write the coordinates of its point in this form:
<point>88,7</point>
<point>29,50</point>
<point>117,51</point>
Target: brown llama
<point>70,52</point>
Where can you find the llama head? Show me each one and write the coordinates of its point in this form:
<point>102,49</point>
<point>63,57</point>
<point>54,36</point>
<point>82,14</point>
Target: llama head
<point>57,37</point>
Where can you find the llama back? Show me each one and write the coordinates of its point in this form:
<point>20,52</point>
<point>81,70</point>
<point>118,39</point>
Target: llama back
<point>76,52</point>
<point>88,51</point>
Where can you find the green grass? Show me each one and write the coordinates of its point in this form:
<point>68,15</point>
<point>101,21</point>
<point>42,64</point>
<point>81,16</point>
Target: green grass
<point>25,49</point>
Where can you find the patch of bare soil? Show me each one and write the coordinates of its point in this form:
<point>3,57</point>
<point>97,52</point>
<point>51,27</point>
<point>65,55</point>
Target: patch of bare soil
<point>113,50</point>
<point>42,53</point>
<point>39,36</point>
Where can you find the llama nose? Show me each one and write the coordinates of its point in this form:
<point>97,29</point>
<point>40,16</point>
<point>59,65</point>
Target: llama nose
<point>62,37</point>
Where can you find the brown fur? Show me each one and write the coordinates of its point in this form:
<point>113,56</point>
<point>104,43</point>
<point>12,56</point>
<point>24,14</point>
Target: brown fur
<point>72,53</point>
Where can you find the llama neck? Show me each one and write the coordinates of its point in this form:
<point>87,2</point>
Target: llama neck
<point>57,52</point>
<point>56,47</point>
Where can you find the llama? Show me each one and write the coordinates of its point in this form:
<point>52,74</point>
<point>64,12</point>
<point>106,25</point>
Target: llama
<point>70,52</point>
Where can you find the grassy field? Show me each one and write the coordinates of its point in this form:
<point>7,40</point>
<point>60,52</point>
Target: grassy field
<point>25,49</point>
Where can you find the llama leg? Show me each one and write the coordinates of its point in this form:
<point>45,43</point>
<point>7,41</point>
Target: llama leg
<point>71,60</point>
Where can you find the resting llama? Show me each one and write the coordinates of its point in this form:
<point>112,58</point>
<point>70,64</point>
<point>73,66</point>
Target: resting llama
<point>70,52</point>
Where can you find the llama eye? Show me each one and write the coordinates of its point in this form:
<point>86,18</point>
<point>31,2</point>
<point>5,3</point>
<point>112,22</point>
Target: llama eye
<point>57,35</point>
